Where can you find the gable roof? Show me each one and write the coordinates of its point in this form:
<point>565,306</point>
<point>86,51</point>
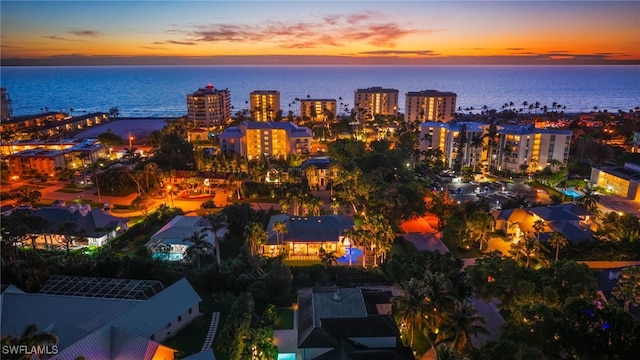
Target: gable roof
<point>181,227</point>
<point>511,215</point>
<point>154,314</point>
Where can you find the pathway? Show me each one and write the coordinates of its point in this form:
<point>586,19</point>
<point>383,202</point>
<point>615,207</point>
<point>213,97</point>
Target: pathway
<point>211,334</point>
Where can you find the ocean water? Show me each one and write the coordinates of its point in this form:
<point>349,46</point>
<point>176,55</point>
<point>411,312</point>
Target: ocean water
<point>141,91</point>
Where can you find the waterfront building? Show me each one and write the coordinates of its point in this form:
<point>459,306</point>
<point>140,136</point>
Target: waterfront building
<point>8,148</point>
<point>527,149</point>
<point>265,104</point>
<point>255,139</point>
<point>209,107</point>
<point>430,105</point>
<point>318,109</point>
<point>620,180</point>
<point>6,112</point>
<point>43,161</point>
<point>375,101</point>
<point>448,136</point>
<point>49,125</point>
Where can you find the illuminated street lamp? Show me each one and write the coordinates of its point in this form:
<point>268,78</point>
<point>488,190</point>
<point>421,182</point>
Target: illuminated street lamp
<point>170,194</point>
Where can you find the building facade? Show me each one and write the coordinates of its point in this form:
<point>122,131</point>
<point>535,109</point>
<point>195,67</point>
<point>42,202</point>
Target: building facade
<point>255,139</point>
<point>45,161</point>
<point>51,125</point>
<point>6,112</point>
<point>375,101</point>
<point>622,180</point>
<point>209,107</point>
<point>265,104</point>
<point>430,105</point>
<point>527,149</point>
<point>448,136</point>
<point>318,109</point>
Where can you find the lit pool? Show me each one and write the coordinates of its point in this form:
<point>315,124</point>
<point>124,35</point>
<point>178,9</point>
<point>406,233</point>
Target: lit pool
<point>287,356</point>
<point>353,253</point>
<point>574,194</point>
<point>169,256</point>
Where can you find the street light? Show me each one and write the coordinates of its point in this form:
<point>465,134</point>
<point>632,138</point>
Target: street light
<point>170,194</point>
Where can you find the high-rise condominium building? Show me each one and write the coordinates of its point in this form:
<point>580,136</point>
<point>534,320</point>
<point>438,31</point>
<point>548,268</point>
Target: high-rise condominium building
<point>525,145</point>
<point>265,104</point>
<point>430,105</point>
<point>461,141</point>
<point>318,109</point>
<point>256,139</point>
<point>209,107</point>
<point>517,148</point>
<point>375,101</point>
<point>5,105</point>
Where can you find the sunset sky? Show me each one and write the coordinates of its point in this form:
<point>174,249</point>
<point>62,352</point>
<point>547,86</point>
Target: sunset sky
<point>346,32</point>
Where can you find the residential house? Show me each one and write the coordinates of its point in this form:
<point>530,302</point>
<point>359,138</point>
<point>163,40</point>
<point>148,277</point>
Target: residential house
<point>570,219</point>
<point>106,323</point>
<point>169,242</point>
<point>348,323</point>
<point>305,235</point>
<point>94,227</point>
<point>317,172</point>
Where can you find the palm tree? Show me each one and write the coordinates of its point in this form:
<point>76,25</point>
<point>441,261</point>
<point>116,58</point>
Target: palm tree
<point>356,238</point>
<point>199,245</point>
<point>411,306</point>
<point>558,240</point>
<point>30,337</point>
<point>538,227</point>
<point>529,248</point>
<point>254,236</point>
<point>281,229</point>
<point>589,199</point>
<point>627,288</point>
<point>461,324</point>
<point>217,222</point>
<point>327,258</point>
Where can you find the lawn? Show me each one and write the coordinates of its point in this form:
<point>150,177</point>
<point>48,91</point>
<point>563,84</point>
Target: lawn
<point>457,251</point>
<point>301,262</point>
<point>284,319</point>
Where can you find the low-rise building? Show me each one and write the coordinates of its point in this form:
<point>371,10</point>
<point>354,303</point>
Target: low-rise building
<point>170,242</point>
<point>305,235</point>
<point>317,171</point>
<point>620,180</point>
<point>50,124</point>
<point>93,227</point>
<point>256,139</point>
<point>99,318</point>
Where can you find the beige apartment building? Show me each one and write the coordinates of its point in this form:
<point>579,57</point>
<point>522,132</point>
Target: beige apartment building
<point>430,105</point>
<point>447,137</point>
<point>255,139</point>
<point>264,104</point>
<point>209,107</point>
<point>375,101</point>
<point>318,109</point>
<point>536,148</point>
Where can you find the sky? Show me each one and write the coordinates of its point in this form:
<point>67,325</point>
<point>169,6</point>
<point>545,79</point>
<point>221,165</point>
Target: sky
<point>319,32</point>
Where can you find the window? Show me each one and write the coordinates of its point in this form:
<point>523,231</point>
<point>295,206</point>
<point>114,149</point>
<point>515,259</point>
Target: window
<point>180,318</point>
<point>190,310</point>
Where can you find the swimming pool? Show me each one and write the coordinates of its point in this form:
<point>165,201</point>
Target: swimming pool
<point>169,256</point>
<point>287,356</point>
<point>354,253</point>
<point>574,194</point>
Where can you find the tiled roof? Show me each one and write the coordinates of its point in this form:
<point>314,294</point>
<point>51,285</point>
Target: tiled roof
<point>88,223</point>
<point>326,228</point>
